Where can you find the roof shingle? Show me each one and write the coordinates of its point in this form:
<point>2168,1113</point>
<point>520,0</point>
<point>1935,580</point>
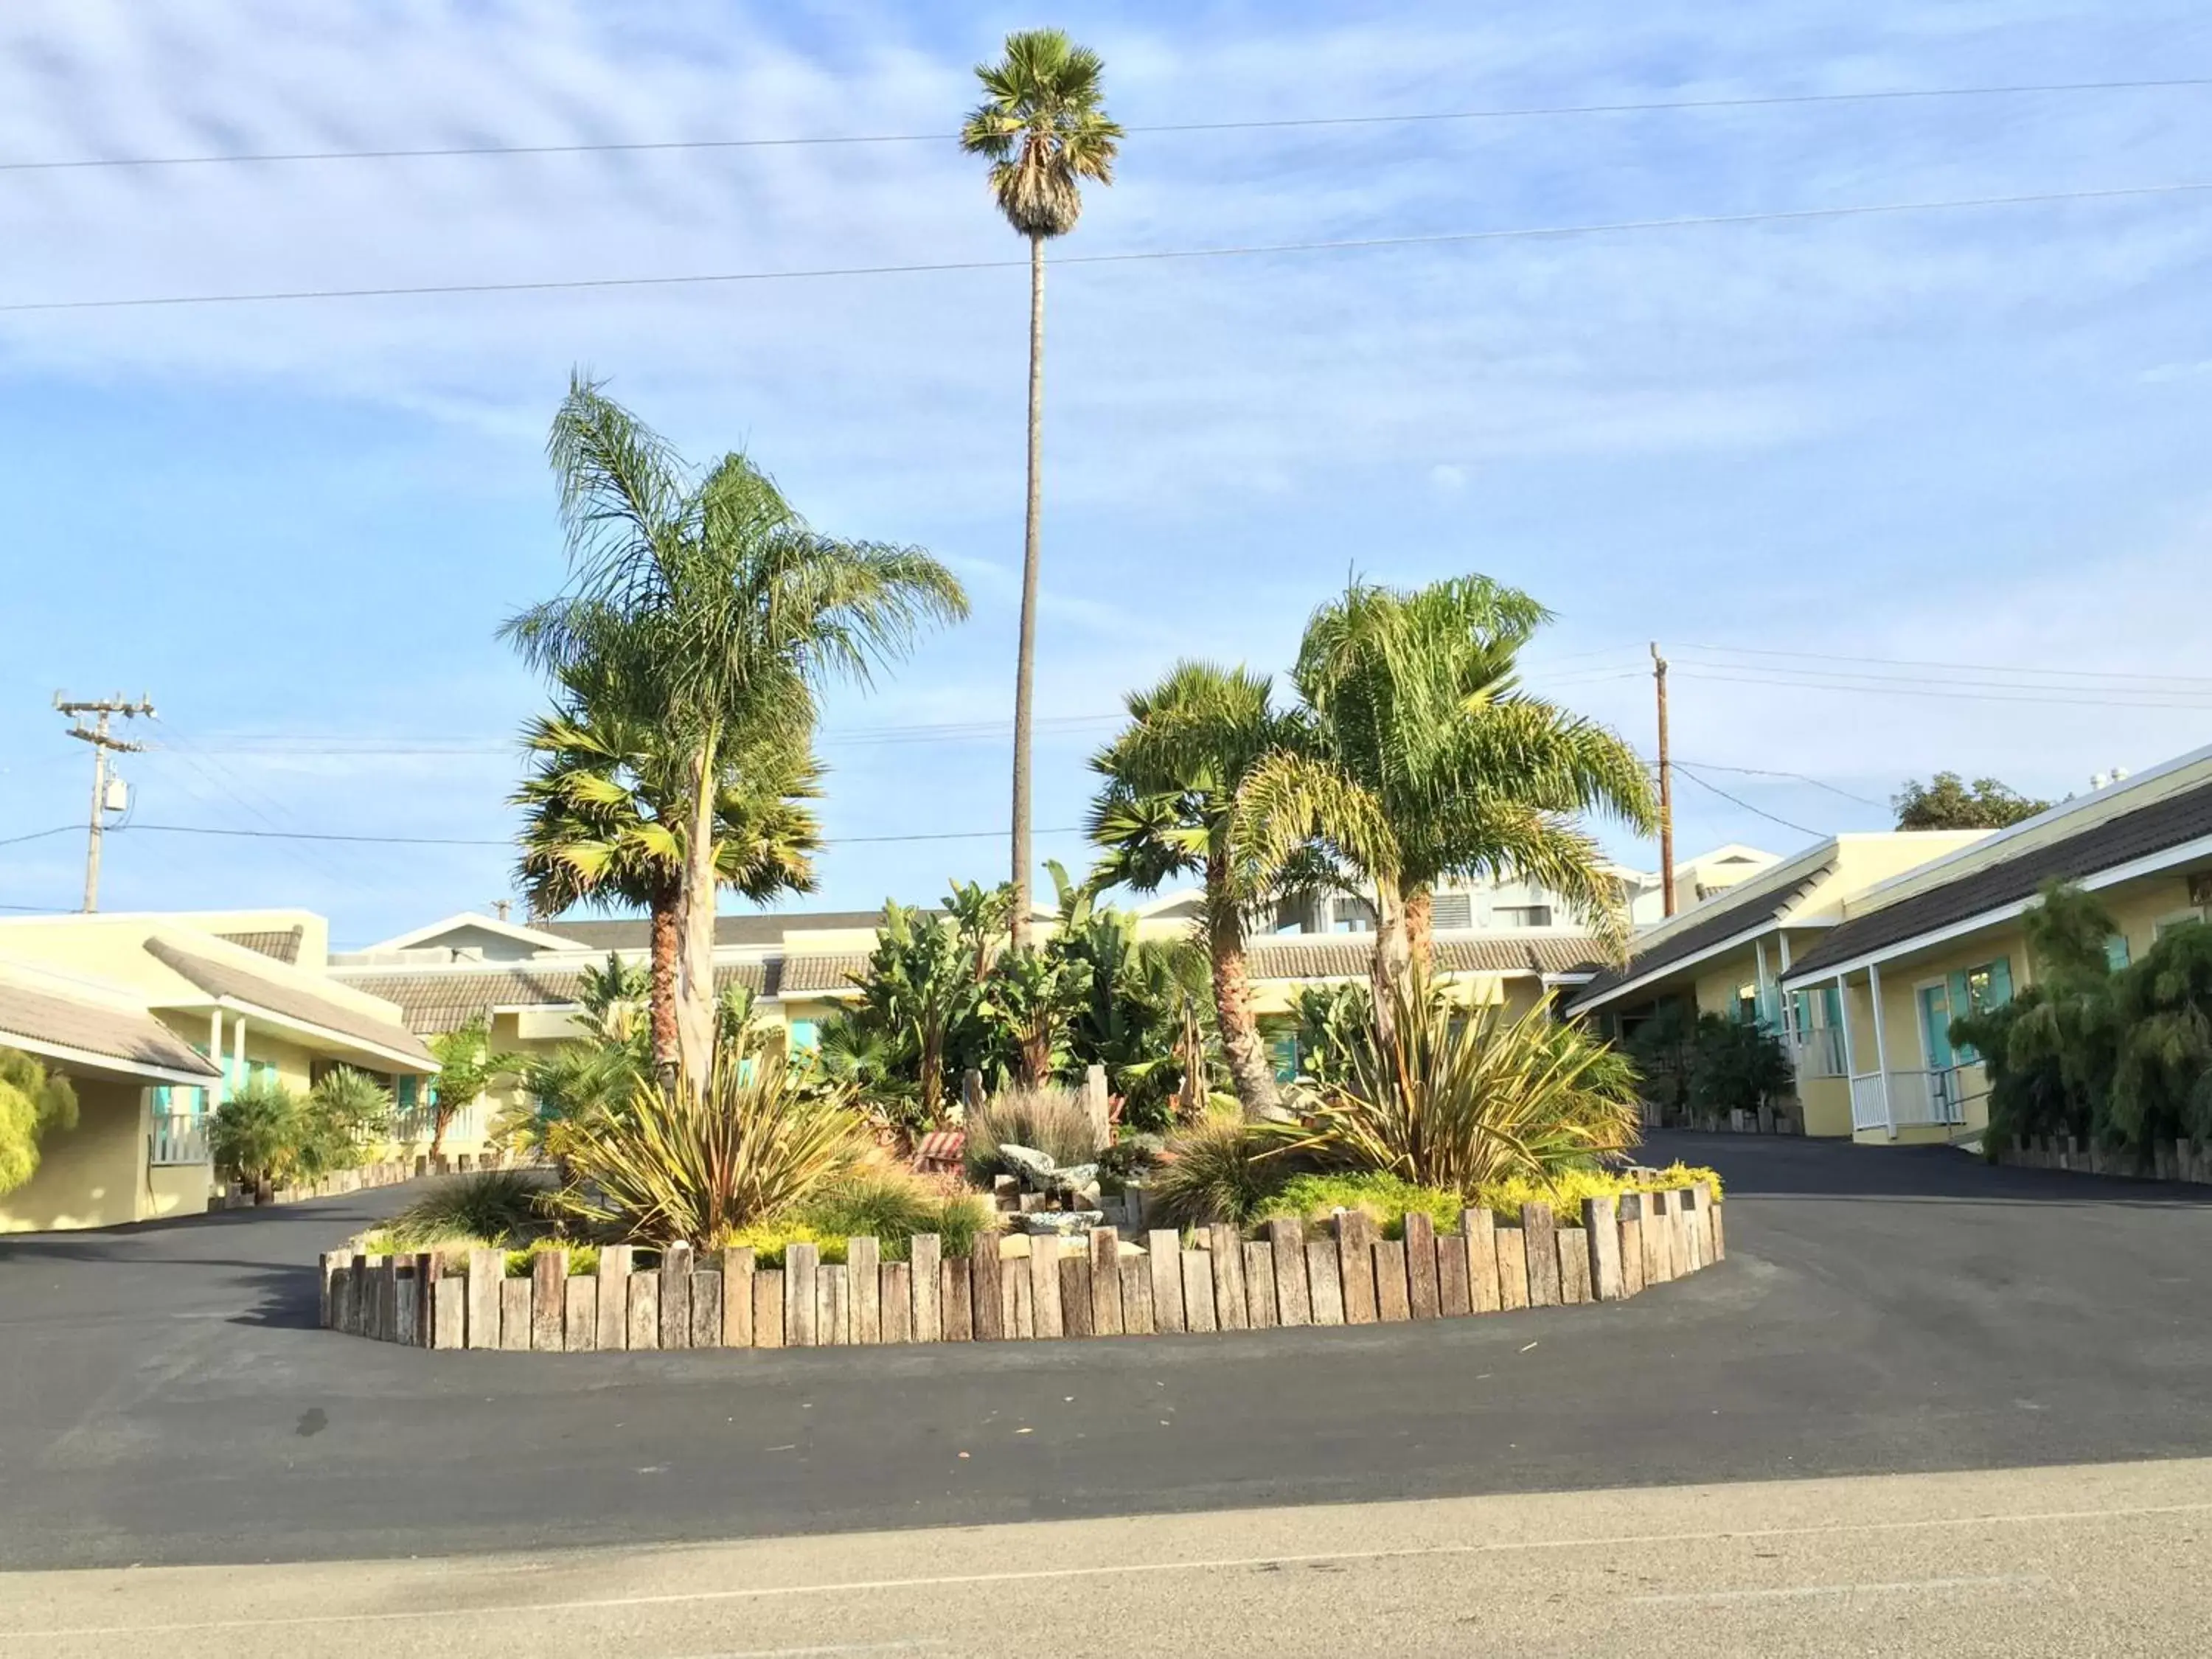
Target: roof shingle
<point>2181,818</point>
<point>132,1036</point>
<point>280,997</point>
<point>1726,918</point>
<point>436,999</point>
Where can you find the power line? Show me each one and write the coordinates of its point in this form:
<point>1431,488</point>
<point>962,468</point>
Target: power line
<point>40,835</point>
<point>1526,113</point>
<point>1954,691</point>
<point>2192,680</point>
<point>1800,777</point>
<point>466,841</point>
<point>1253,250</point>
<point>1772,818</point>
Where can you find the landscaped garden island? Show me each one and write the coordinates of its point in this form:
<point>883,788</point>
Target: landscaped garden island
<point>1020,1286</point>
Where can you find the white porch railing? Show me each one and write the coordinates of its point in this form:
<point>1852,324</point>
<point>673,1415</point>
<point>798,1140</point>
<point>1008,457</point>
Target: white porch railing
<point>177,1138</point>
<point>1915,1099</point>
<point>1820,1052</point>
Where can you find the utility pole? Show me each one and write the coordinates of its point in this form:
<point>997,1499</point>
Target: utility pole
<point>1666,788</point>
<point>102,742</point>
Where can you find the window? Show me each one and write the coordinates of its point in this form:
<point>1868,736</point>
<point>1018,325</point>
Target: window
<point>1522,916</point>
<point>1453,910</point>
<point>2116,952</point>
<point>2180,919</point>
<point>803,1037</point>
<point>1353,915</point>
<point>1283,1052</point>
<point>1746,1004</point>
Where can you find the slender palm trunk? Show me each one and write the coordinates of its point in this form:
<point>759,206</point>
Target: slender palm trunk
<point>667,940</point>
<point>1391,974</point>
<point>694,961</point>
<point>439,1118</point>
<point>1249,1068</point>
<point>1421,927</point>
<point>1025,665</point>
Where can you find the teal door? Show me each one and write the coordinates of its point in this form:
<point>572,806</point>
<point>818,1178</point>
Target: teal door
<point>1935,1026</point>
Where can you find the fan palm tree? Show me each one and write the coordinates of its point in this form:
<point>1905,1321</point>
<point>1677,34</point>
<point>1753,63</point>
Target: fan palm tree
<point>1416,756</point>
<point>1043,128</point>
<point>603,827</point>
<point>1171,807</point>
<point>719,615</point>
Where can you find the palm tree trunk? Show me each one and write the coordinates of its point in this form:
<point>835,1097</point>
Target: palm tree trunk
<point>1391,973</point>
<point>1026,662</point>
<point>667,940</point>
<point>1420,927</point>
<point>1249,1067</point>
<point>439,1115</point>
<point>694,961</point>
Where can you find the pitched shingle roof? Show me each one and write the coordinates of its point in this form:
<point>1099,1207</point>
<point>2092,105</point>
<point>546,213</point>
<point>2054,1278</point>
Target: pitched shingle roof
<point>824,971</point>
<point>435,999</point>
<point>1346,956</point>
<point>278,944</point>
<point>282,996</point>
<point>2180,817</point>
<point>767,928</point>
<point>132,1036</point>
<point>1720,920</point>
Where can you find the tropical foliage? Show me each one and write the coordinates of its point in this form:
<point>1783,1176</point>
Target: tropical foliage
<point>604,824</point>
<point>1171,807</point>
<point>1737,1066</point>
<point>33,1102</point>
<point>703,1165</point>
<point>1042,126</point>
<point>2123,1058</point>
<point>1947,802</point>
<point>467,1065</point>
<point>1416,756</point>
<point>1441,1097</point>
<point>491,1204</point>
<point>705,609</point>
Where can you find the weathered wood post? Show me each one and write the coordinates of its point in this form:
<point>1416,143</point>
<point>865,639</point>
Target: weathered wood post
<point>1539,1234</point>
<point>610,1303</point>
<point>1163,1260</point>
<point>1602,1224</point>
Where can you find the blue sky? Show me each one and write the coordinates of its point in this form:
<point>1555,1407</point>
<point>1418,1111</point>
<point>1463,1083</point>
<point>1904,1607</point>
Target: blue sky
<point>1968,437</point>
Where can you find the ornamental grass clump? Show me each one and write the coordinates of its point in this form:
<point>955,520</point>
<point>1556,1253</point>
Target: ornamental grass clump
<point>1386,1198</point>
<point>1442,1098</point>
<point>1054,1122</point>
<point>498,1204</point>
<point>1224,1170</point>
<point>756,1143</point>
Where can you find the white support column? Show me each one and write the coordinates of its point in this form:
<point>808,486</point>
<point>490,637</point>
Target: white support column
<point>1759,979</point>
<point>238,1045</point>
<point>218,1090</point>
<point>1882,1052</point>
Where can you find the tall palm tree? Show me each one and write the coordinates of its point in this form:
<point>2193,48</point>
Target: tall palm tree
<point>720,614</point>
<point>1171,805</point>
<point>1416,756</point>
<point>605,827</point>
<point>1044,128</point>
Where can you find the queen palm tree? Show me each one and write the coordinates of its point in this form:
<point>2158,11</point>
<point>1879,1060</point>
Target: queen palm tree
<point>1171,806</point>
<point>719,615</point>
<point>1416,756</point>
<point>604,828</point>
<point>1043,128</point>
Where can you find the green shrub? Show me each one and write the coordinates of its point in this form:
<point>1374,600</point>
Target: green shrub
<point>1053,1122</point>
<point>759,1141</point>
<point>1565,1191</point>
<point>960,1222</point>
<point>1385,1197</point>
<point>892,1207</point>
<point>583,1259</point>
<point>1221,1170</point>
<point>1458,1101</point>
<point>495,1205</point>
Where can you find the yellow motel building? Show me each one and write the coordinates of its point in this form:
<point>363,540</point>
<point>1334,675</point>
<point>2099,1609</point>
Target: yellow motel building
<point>1498,945</point>
<point>1859,952</point>
<point>155,1019</point>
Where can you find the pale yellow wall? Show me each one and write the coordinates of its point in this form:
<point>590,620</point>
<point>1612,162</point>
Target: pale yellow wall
<point>1717,981</point>
<point>176,1190</point>
<point>2136,793</point>
<point>92,1175</point>
<point>1828,1105</point>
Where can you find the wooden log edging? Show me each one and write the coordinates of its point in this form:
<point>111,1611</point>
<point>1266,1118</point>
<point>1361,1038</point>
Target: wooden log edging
<point>2188,1162</point>
<point>1029,1289</point>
